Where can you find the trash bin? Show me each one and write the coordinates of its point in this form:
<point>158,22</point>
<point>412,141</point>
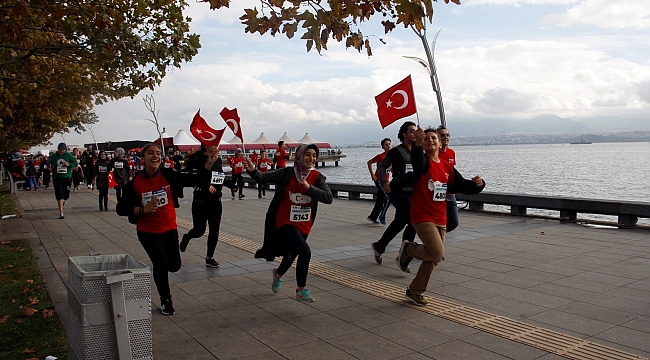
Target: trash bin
<point>110,308</point>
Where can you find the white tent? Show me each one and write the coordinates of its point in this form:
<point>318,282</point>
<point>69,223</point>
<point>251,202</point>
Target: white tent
<point>182,138</point>
<point>288,140</point>
<point>236,140</point>
<point>264,140</point>
<point>307,139</point>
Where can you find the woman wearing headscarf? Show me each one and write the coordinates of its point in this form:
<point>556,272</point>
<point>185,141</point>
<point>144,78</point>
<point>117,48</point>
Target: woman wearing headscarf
<point>206,203</point>
<point>121,171</point>
<point>77,173</point>
<point>100,180</point>
<point>291,215</point>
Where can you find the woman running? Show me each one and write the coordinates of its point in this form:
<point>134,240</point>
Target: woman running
<point>100,180</point>
<point>206,205</point>
<point>149,200</point>
<point>433,180</point>
<point>291,215</point>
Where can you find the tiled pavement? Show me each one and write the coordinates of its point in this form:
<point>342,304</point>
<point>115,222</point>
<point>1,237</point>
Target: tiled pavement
<point>589,283</point>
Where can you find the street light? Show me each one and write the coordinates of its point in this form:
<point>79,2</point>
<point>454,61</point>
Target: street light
<point>430,66</point>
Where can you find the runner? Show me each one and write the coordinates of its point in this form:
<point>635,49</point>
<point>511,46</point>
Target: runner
<point>280,157</point>
<point>206,204</point>
<point>149,200</point>
<point>291,214</point>
<point>62,163</point>
<point>45,167</point>
<point>433,179</point>
<point>30,172</point>
<point>121,171</point>
<point>446,154</point>
<point>383,202</point>
<point>399,158</point>
<point>263,164</point>
<point>100,180</point>
<point>89,158</point>
<point>77,173</point>
<point>237,166</point>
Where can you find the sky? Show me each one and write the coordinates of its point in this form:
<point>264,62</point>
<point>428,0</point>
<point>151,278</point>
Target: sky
<point>496,59</point>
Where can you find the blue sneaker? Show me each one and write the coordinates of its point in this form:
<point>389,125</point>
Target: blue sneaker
<point>275,285</point>
<point>382,220</point>
<point>304,296</point>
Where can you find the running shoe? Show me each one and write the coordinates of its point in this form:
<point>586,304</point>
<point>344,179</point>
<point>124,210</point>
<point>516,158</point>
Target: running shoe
<point>304,296</point>
<point>374,221</point>
<point>167,307</point>
<point>241,196</point>
<point>233,194</point>
<point>259,196</point>
<point>417,299</point>
<point>61,216</point>
<point>184,242</point>
<point>382,220</point>
<point>211,262</point>
<point>377,254</point>
<point>402,260</point>
<point>277,282</point>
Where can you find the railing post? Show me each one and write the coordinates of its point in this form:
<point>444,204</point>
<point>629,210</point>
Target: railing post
<point>475,206</point>
<point>518,210</point>
<point>568,215</point>
<point>627,220</point>
<point>353,195</point>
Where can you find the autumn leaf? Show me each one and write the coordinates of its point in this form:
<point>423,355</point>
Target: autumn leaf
<point>25,289</point>
<point>29,351</point>
<point>4,242</point>
<point>29,281</point>
<point>48,313</point>
<point>29,311</point>
<point>33,301</point>
<point>9,267</point>
<point>13,301</point>
<point>4,319</point>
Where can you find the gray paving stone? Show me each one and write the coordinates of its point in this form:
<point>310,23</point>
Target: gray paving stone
<point>459,350</point>
<point>365,345</point>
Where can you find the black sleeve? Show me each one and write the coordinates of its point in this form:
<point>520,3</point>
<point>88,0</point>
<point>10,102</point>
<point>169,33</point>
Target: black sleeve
<point>463,186</point>
<point>128,201</point>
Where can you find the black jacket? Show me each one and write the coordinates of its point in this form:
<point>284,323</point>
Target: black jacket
<point>202,189</point>
<point>397,157</point>
<point>461,185</point>
<point>176,180</point>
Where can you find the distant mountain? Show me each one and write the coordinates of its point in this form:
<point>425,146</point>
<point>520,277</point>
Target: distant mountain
<point>549,123</point>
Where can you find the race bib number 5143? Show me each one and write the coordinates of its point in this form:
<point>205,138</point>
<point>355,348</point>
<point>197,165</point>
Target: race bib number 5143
<point>300,213</point>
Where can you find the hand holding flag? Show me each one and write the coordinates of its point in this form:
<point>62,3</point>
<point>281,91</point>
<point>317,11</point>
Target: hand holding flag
<point>232,120</point>
<point>396,102</point>
<point>204,133</point>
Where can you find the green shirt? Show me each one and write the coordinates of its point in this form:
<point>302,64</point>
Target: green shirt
<point>57,165</point>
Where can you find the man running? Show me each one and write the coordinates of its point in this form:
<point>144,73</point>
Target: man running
<point>399,190</point>
<point>237,166</point>
<point>382,203</point>
<point>446,154</point>
<point>61,165</point>
<point>263,164</point>
<point>280,157</point>
<point>89,157</point>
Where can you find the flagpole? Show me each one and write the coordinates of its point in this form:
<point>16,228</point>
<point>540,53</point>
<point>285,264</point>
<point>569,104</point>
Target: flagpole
<point>417,114</point>
<point>242,145</point>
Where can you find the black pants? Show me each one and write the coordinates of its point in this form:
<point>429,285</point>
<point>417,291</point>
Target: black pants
<point>402,203</point>
<point>298,248</point>
<point>381,205</point>
<point>46,177</point>
<point>239,180</point>
<point>261,189</point>
<point>103,197</point>
<point>76,178</point>
<point>452,213</point>
<point>118,191</point>
<point>61,188</point>
<point>210,212</point>
<point>165,256</point>
<point>89,173</point>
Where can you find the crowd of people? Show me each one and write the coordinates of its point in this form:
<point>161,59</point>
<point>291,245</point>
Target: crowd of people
<point>418,177</point>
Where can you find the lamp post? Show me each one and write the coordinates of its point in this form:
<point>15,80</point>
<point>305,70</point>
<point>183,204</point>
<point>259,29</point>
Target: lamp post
<point>430,66</point>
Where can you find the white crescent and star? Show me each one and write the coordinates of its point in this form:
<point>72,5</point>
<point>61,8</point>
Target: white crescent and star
<point>234,125</point>
<point>389,103</point>
<point>209,132</point>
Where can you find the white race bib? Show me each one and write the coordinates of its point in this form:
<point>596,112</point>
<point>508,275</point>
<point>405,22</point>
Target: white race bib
<point>61,169</point>
<point>45,167</point>
<point>217,178</point>
<point>37,167</point>
<point>439,191</point>
<point>264,165</point>
<point>300,213</point>
<point>160,194</point>
<point>168,165</point>
<point>119,165</point>
<point>409,168</point>
<point>102,168</point>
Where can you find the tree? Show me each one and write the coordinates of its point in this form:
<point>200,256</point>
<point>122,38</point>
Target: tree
<point>335,19</point>
<point>57,58</point>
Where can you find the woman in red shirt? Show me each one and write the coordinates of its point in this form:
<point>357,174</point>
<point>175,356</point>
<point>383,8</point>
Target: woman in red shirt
<point>291,215</point>
<point>433,179</point>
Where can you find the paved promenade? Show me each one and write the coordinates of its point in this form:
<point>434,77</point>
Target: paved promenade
<point>509,287</point>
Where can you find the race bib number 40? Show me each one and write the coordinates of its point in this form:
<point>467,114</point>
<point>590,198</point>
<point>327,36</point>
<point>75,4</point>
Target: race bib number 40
<point>217,178</point>
<point>160,194</point>
<point>300,213</point>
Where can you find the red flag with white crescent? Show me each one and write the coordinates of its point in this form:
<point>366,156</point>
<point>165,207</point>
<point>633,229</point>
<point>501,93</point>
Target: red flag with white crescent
<point>396,102</point>
<point>204,133</point>
<point>232,120</point>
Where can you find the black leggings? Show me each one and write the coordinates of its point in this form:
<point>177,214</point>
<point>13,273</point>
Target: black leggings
<point>210,212</point>
<point>298,247</point>
<point>118,192</point>
<point>239,180</point>
<point>165,256</point>
<point>402,203</point>
<point>103,196</point>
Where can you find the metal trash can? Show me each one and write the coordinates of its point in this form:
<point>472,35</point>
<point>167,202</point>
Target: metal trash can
<point>110,308</point>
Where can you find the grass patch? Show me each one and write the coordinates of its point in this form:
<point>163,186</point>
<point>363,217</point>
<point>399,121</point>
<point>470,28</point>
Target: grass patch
<point>8,206</point>
<point>29,327</point>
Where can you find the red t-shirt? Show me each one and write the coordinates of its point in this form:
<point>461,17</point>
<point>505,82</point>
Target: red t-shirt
<point>448,155</point>
<point>428,203</point>
<point>295,205</point>
<point>254,158</point>
<point>165,217</point>
<point>168,164</point>
<point>263,164</point>
<point>236,164</point>
<point>376,160</point>
<point>280,160</point>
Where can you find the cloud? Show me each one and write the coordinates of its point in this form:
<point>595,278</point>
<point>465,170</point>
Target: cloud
<point>605,14</point>
<point>504,101</point>
<point>643,89</point>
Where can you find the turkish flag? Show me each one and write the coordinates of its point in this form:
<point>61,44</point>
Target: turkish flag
<point>204,133</point>
<point>396,102</point>
<point>232,120</point>
<point>111,180</point>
